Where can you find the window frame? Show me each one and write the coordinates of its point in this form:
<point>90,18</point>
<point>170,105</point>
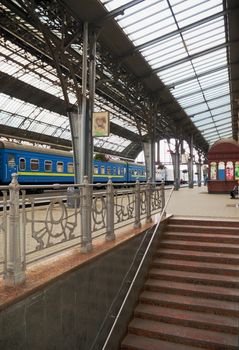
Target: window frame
<point>19,163</point>
<point>36,160</point>
<point>50,162</point>
<point>58,163</point>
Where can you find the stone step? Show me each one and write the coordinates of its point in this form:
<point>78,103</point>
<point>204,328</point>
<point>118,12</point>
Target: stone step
<point>203,222</point>
<point>136,342</point>
<point>220,293</point>
<point>195,277</point>
<point>189,302</point>
<point>202,237</point>
<point>189,318</point>
<point>196,266</point>
<point>184,335</point>
<point>191,297</point>
<point>204,229</point>
<point>200,246</point>
<point>194,255</point>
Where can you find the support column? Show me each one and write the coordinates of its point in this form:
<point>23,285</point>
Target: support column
<point>149,155</point>
<point>85,203</point>
<point>199,170</point>
<point>92,74</point>
<point>84,120</point>
<point>137,222</point>
<point>15,264</point>
<point>190,164</point>
<point>158,152</point>
<point>110,235</point>
<point>176,165</point>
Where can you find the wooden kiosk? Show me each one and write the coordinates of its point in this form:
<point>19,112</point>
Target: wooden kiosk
<point>223,166</point>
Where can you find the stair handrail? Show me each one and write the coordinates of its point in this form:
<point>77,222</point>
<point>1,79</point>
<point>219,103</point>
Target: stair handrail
<point>138,270</point>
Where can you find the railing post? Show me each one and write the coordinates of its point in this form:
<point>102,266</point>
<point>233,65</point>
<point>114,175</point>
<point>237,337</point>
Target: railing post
<point>85,203</point>
<point>163,198</point>
<point>15,266</point>
<point>110,235</point>
<point>148,201</point>
<point>137,222</point>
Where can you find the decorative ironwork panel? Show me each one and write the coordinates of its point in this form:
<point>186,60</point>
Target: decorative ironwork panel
<point>156,198</point>
<point>98,212</point>
<point>49,224</point>
<point>124,205</point>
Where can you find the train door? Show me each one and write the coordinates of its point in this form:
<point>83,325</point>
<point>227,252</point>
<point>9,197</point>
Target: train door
<point>11,166</point>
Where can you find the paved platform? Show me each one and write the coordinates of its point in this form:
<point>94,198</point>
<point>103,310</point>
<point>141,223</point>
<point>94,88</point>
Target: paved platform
<point>198,202</point>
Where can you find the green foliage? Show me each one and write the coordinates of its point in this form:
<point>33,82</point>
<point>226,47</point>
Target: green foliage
<point>100,156</point>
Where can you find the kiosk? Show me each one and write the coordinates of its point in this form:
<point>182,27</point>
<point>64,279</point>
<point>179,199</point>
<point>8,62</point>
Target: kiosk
<point>223,166</point>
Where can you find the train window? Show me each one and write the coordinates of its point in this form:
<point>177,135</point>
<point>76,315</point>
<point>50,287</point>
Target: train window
<point>22,164</point>
<point>102,170</point>
<point>34,164</point>
<point>95,169</point>
<point>114,171</point>
<point>60,167</point>
<point>11,160</point>
<point>70,167</point>
<point>48,165</point>
<point>121,171</point>
<point>108,170</point>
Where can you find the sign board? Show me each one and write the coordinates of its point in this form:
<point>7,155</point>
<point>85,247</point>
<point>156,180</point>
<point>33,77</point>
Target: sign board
<point>100,124</point>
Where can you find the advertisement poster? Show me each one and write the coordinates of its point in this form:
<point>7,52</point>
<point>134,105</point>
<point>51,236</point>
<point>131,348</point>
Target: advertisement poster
<point>237,171</point>
<point>100,127</point>
<point>213,171</point>
<point>229,171</point>
<point>221,171</point>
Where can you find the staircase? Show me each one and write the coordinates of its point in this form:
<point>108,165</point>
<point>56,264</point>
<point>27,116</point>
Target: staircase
<point>191,297</point>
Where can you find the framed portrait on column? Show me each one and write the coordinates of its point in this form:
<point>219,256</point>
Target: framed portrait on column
<point>100,124</point>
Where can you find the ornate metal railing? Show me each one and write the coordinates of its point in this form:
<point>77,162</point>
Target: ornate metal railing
<point>34,227</point>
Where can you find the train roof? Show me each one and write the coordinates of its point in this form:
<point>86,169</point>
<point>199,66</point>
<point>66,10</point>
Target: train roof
<point>17,146</point>
<point>138,164</point>
<point>114,161</point>
<point>28,148</point>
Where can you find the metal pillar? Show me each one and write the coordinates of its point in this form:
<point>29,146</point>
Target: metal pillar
<point>84,120</point>
<point>15,265</point>
<point>86,200</point>
<point>110,235</point>
<point>149,155</point>
<point>92,73</point>
<point>190,164</point>
<point>158,152</point>
<point>137,222</point>
<point>148,194</point>
<point>176,165</point>
<point>199,170</point>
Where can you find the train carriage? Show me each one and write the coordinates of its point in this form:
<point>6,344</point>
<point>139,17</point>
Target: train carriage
<point>48,166</point>
<point>136,171</point>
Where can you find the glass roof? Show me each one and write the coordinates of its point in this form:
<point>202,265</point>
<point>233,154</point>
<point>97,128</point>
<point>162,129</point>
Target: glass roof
<point>184,42</point>
<point>20,64</point>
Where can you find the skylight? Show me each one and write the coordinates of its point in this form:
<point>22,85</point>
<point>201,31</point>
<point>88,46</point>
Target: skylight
<point>184,42</point>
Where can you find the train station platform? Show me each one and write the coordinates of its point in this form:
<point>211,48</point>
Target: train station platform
<point>197,202</point>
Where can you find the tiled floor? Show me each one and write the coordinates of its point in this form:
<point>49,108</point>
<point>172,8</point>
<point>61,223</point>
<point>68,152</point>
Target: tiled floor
<point>198,202</point>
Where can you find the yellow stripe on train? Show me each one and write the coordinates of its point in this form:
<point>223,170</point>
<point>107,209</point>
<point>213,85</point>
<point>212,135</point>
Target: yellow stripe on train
<point>25,173</point>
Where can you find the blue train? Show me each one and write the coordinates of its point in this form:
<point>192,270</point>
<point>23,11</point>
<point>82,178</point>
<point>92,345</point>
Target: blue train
<point>48,166</point>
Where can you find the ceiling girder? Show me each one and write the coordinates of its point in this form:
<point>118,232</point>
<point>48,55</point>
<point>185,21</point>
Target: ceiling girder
<point>131,84</point>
